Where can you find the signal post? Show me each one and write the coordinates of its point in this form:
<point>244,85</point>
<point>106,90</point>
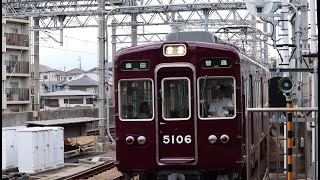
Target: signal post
<point>286,86</point>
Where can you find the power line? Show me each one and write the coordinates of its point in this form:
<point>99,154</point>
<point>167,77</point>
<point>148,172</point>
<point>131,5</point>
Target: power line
<point>70,37</point>
<point>68,50</point>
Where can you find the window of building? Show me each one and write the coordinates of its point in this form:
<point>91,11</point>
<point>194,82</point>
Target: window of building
<point>13,58</point>
<point>14,84</point>
<point>89,100</point>
<point>66,101</point>
<point>52,102</point>
<point>14,30</point>
<point>176,98</point>
<point>217,98</point>
<point>136,99</point>
<point>76,101</point>
<point>14,110</point>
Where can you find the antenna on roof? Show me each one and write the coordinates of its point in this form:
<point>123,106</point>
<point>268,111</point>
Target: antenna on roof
<point>79,59</point>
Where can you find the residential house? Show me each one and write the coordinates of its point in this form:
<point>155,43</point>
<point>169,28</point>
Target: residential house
<point>68,99</point>
<point>16,80</point>
<point>89,82</point>
<point>49,78</point>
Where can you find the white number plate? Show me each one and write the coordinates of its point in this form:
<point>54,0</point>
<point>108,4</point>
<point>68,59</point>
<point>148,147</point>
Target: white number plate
<point>176,139</point>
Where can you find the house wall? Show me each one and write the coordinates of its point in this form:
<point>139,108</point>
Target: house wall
<point>62,104</point>
<point>51,76</point>
<point>22,28</point>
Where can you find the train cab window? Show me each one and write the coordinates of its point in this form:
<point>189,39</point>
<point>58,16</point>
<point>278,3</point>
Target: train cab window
<point>176,98</point>
<point>136,100</point>
<point>216,98</point>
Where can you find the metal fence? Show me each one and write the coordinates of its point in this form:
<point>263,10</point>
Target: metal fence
<point>305,142</point>
<point>17,39</point>
<point>21,67</point>
<point>17,94</point>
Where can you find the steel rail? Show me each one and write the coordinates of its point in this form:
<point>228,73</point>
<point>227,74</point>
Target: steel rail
<point>92,171</point>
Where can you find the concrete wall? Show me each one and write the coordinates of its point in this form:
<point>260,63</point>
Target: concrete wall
<point>68,113</point>
<point>17,119</point>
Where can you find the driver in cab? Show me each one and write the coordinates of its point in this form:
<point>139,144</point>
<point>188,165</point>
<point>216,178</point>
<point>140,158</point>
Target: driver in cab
<point>220,106</point>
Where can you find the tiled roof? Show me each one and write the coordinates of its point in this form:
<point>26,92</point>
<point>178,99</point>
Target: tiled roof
<point>43,68</point>
<point>83,81</point>
<point>75,71</point>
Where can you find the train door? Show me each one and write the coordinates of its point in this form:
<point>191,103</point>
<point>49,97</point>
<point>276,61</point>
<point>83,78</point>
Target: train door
<point>175,106</point>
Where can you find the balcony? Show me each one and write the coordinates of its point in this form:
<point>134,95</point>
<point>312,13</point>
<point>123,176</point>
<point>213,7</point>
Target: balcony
<point>17,94</point>
<point>17,67</point>
<point>17,39</point>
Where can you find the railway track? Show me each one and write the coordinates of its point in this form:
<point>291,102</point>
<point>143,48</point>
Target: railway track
<point>94,171</point>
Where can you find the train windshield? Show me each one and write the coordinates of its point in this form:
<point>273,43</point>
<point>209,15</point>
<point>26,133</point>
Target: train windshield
<point>216,98</point>
<point>136,99</point>
<point>176,98</point>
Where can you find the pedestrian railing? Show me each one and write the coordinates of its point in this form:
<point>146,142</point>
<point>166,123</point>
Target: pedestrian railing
<point>294,132</point>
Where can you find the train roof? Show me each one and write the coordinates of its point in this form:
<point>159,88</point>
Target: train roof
<point>158,45</point>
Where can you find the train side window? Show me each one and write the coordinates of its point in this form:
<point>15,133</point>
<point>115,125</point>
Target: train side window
<point>216,98</point>
<point>136,100</point>
<point>176,98</point>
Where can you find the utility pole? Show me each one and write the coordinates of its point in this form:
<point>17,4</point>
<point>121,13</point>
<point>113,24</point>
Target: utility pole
<point>102,139</point>
<point>314,98</point>
<point>36,93</point>
<point>79,59</point>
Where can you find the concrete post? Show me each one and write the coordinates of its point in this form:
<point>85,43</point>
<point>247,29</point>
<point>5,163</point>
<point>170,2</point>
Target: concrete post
<point>296,40</point>
<point>206,17</point>
<point>102,139</point>
<point>254,44</point>
<point>305,79</point>
<point>36,67</point>
<point>304,50</point>
<point>61,19</point>
<point>265,44</point>
<point>314,99</point>
<point>134,34</point>
<point>114,50</point>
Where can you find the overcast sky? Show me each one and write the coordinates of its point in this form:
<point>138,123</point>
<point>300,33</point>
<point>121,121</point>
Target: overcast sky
<point>79,43</point>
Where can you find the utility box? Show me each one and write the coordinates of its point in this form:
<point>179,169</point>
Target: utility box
<point>10,147</point>
<point>54,150</point>
<point>48,145</point>
<point>58,146</point>
<point>31,150</point>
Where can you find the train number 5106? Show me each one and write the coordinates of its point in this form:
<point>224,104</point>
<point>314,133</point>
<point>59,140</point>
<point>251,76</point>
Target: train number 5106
<point>179,139</point>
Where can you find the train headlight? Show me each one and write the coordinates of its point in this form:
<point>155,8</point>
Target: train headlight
<point>169,50</point>
<point>141,140</point>
<point>129,140</point>
<point>180,50</point>
<point>174,50</point>
<point>212,139</point>
<point>224,138</point>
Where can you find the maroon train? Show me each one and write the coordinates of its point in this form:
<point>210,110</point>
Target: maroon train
<point>162,96</point>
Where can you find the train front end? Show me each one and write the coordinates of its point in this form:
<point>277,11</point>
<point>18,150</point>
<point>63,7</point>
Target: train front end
<point>164,125</point>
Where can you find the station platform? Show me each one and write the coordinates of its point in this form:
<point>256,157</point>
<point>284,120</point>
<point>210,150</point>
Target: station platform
<point>73,127</point>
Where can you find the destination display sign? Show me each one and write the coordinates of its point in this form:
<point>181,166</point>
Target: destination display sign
<point>135,65</point>
<point>216,63</point>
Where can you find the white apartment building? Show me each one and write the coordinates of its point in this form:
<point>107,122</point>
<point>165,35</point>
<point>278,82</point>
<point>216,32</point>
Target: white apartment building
<point>16,80</point>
